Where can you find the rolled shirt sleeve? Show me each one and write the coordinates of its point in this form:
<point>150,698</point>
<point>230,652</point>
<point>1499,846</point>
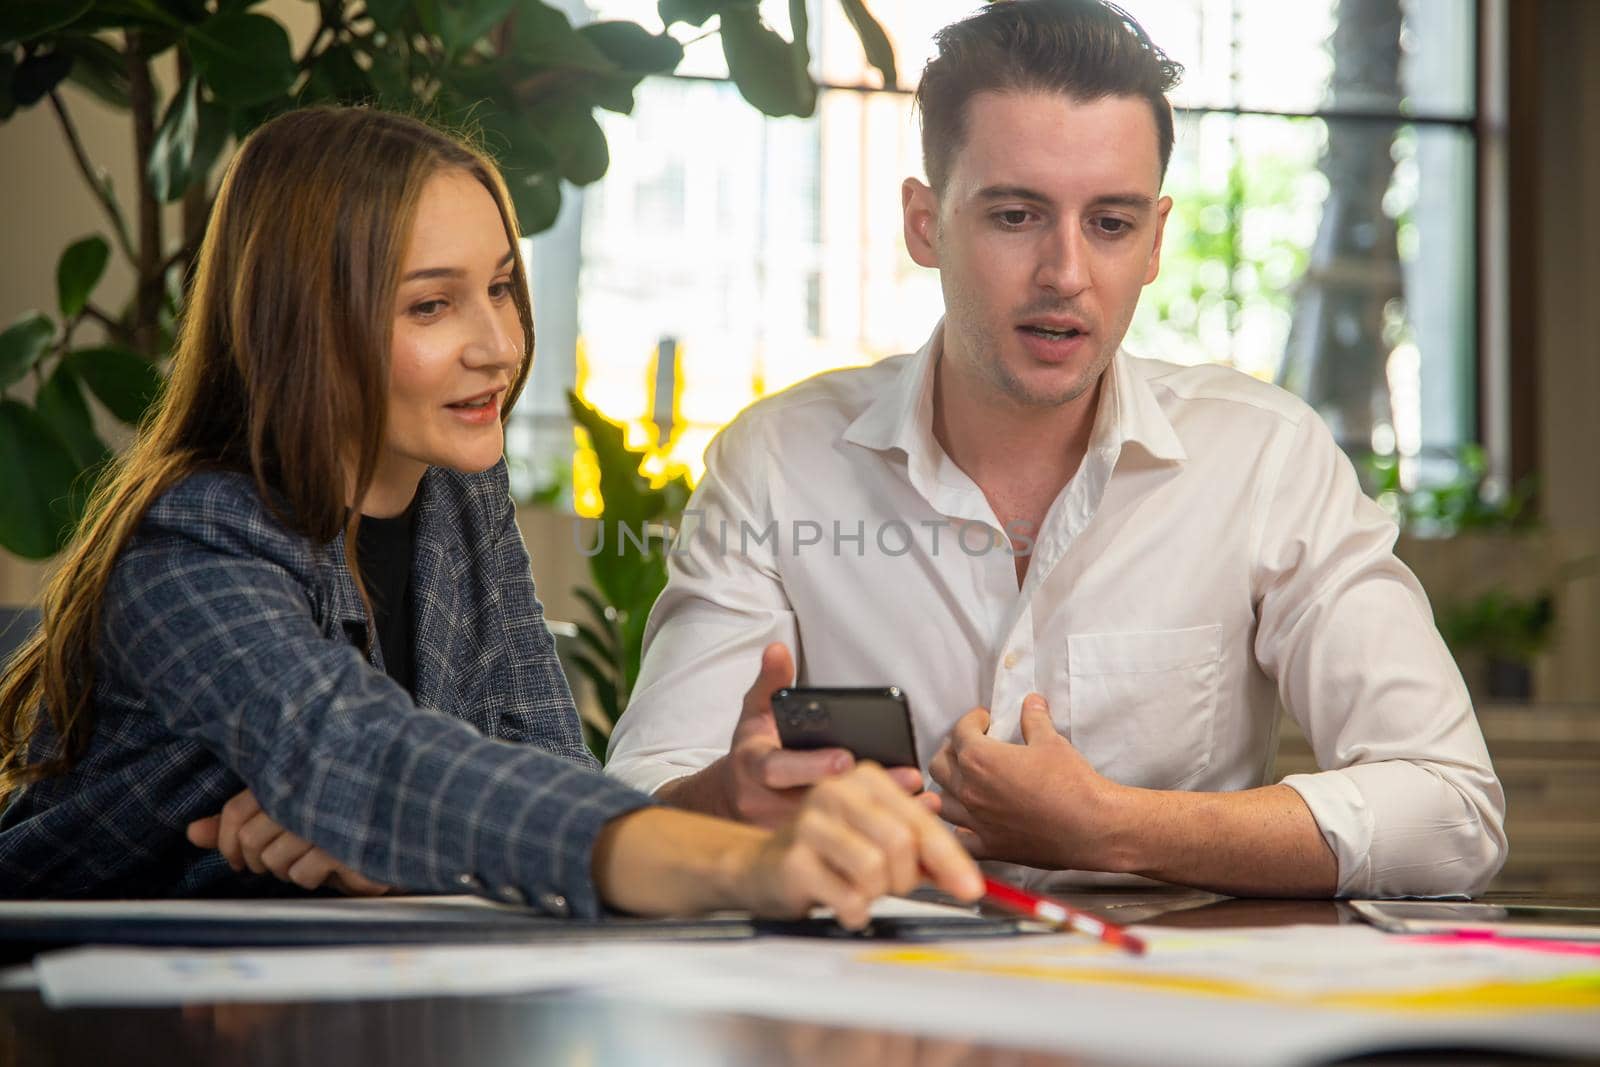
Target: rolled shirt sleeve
<point>1408,799</point>
<point>723,604</point>
<point>218,629</point>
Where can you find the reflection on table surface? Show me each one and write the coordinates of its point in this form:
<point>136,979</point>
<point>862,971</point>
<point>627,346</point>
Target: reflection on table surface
<point>575,1029</point>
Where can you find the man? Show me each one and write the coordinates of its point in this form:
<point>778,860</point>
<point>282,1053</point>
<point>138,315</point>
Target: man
<point>1122,567</point>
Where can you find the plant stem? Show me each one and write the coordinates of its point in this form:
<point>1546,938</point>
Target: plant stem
<point>148,292</point>
<point>100,185</point>
<point>117,330</point>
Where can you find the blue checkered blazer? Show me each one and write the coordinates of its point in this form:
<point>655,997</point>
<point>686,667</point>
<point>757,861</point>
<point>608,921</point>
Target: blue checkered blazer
<point>230,656</point>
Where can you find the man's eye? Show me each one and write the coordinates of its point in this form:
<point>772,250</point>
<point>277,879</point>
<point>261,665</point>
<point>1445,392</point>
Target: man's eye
<point>1014,217</point>
<point>1111,227</point>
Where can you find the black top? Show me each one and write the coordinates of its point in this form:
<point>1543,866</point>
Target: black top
<point>384,548</point>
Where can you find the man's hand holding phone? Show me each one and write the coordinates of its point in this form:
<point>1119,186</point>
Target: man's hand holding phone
<point>759,781</point>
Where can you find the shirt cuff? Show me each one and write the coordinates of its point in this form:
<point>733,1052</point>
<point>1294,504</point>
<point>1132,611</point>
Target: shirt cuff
<point>1342,814</point>
<point>648,774</point>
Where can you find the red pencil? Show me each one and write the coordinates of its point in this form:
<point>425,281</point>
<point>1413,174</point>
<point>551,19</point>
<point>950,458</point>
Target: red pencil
<point>1060,914</point>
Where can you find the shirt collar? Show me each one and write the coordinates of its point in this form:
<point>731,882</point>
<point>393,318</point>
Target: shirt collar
<point>901,416</point>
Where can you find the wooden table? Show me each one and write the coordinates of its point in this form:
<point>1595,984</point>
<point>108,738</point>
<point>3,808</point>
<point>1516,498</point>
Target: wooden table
<point>567,1028</point>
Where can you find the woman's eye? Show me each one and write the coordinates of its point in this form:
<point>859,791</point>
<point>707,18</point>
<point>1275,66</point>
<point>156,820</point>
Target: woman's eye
<point>500,290</point>
<point>427,308</point>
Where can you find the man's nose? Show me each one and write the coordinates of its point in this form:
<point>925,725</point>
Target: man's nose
<point>1063,261</point>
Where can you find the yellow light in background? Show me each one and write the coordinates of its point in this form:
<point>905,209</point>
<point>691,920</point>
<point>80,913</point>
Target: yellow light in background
<point>620,391</point>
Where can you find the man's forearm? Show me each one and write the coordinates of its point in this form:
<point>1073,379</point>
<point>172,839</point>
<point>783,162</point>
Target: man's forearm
<point>704,791</point>
<point>1257,842</point>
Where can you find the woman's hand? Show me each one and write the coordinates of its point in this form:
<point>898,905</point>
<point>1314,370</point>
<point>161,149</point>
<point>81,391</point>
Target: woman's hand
<point>247,837</point>
<point>855,838</point>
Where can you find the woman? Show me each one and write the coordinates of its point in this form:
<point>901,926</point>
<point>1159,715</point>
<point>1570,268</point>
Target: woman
<point>226,620</point>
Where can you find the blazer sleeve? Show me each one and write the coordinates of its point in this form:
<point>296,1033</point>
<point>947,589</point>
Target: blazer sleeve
<point>539,709</point>
<point>210,613</point>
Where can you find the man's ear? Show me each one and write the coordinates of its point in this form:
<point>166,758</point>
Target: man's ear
<point>1163,209</point>
<point>919,205</point>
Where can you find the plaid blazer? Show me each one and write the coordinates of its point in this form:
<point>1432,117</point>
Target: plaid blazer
<point>230,655</point>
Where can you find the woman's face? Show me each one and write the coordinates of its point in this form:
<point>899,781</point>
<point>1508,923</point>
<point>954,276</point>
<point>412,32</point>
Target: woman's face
<point>457,342</point>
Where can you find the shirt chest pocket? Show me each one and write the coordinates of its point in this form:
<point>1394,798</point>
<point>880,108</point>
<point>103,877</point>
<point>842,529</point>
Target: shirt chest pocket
<point>1142,704</point>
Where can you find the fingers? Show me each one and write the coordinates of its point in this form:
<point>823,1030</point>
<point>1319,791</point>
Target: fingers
<point>254,837</point>
<point>1037,726</point>
<point>777,671</point>
<point>782,768</point>
<point>814,881</point>
<point>907,778</point>
<point>853,855</point>
<point>956,813</point>
<point>942,769</point>
<point>202,833</point>
<point>352,884</point>
<point>971,727</point>
<point>883,829</point>
<point>930,800</point>
<point>312,870</point>
<point>282,852</point>
<point>235,813</point>
<point>910,836</point>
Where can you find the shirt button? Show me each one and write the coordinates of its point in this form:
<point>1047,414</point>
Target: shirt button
<point>510,894</point>
<point>554,904</point>
<point>470,883</point>
<point>1011,660</point>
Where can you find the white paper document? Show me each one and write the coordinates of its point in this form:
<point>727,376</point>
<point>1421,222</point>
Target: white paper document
<point>79,977</point>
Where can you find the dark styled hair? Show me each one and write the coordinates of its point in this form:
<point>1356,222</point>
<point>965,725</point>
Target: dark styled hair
<point>1084,49</point>
<point>280,370</point>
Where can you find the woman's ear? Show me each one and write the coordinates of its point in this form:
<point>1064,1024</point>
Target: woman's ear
<point>919,205</point>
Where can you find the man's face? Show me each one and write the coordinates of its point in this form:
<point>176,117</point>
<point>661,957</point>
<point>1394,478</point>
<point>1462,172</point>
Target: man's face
<point>1048,227</point>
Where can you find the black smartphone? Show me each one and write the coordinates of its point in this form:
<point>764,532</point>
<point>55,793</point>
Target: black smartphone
<point>870,724</point>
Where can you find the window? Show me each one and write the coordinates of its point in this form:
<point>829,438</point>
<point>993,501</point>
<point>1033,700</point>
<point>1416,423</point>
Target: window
<point>1323,234</point>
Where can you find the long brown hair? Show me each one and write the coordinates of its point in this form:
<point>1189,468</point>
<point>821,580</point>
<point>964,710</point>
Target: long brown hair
<point>280,370</point>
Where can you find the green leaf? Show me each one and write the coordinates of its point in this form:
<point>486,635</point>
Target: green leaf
<point>99,68</point>
<point>542,37</point>
<point>190,139</point>
<point>37,75</point>
<point>78,272</point>
<point>338,77</point>
<point>632,47</point>
<point>388,14</point>
<point>579,143</point>
<point>880,53</point>
<point>23,20</point>
<point>762,64</point>
<point>625,493</point>
<point>60,403</point>
<point>36,510</point>
<point>243,57</point>
<point>125,382</point>
<point>168,166</point>
<point>537,198</point>
<point>462,22</point>
<point>21,346</point>
<point>694,12</point>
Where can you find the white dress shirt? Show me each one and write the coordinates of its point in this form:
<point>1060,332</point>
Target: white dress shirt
<point>1213,558</point>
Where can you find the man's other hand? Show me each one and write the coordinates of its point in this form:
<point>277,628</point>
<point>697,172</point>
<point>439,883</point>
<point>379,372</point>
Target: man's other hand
<point>1039,803</point>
